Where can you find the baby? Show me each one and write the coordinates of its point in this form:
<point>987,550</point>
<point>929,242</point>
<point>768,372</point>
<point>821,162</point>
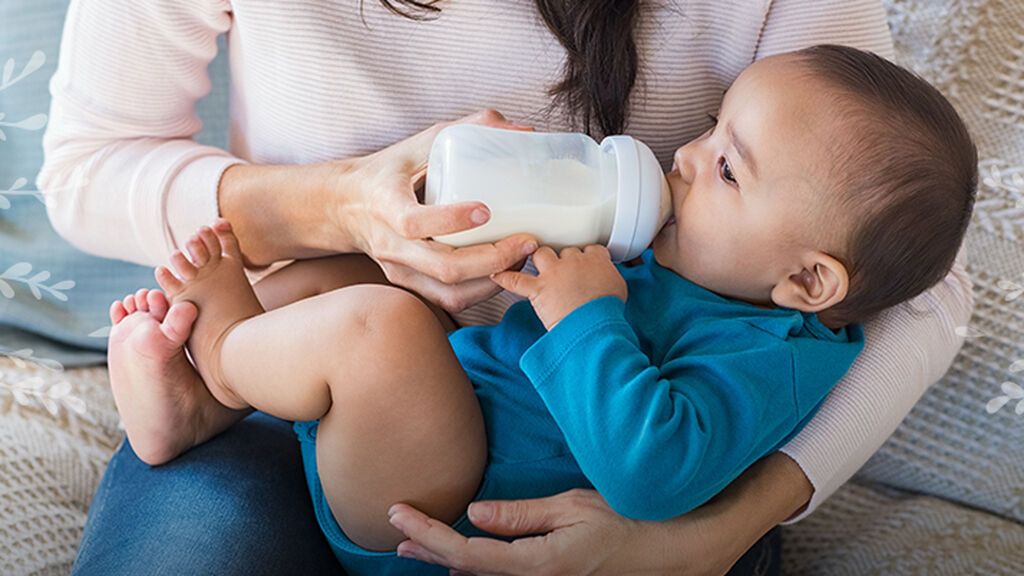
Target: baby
<point>832,185</point>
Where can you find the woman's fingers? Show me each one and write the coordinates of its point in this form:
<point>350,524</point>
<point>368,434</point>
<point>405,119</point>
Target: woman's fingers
<point>452,298</point>
<point>418,221</point>
<point>456,265</point>
<point>436,542</point>
<point>521,517</point>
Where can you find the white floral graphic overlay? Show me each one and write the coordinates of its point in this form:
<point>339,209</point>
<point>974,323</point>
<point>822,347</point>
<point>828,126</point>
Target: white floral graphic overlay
<point>16,190</point>
<point>1011,391</point>
<point>36,391</point>
<point>1007,179</point>
<point>1013,289</point>
<point>25,356</point>
<point>8,79</point>
<point>20,271</point>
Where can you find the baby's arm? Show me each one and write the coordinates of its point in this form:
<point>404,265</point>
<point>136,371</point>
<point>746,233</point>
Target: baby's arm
<point>658,441</point>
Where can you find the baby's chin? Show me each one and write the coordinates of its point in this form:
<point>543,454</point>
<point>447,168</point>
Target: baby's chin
<point>665,254</point>
<point>668,256</point>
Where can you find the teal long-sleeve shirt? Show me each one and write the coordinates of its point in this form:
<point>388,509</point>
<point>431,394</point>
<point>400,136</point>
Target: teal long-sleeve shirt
<point>665,399</point>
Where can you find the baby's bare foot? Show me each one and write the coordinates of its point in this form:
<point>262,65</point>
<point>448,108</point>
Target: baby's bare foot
<point>160,397</point>
<point>216,283</point>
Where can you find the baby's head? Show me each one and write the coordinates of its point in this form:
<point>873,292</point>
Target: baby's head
<point>833,181</point>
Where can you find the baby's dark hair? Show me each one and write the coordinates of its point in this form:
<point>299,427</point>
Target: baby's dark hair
<point>903,183</point>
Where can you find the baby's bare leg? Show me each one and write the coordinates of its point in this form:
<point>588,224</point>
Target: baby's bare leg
<point>398,417</point>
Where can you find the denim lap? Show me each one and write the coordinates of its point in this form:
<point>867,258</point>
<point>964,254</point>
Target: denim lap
<point>237,504</point>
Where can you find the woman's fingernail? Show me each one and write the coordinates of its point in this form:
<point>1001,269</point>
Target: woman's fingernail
<point>481,512</point>
<point>408,551</point>
<point>406,522</point>
<point>529,248</point>
<point>479,216</point>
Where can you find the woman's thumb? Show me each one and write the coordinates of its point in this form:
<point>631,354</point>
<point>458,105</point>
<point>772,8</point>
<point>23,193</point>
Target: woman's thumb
<point>516,517</point>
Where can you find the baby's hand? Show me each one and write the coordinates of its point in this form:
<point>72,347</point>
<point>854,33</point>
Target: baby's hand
<point>565,281</point>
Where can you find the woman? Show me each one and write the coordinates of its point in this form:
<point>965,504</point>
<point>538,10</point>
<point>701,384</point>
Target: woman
<point>320,93</point>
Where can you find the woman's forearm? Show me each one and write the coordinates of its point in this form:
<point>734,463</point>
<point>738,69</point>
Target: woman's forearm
<point>770,491</point>
<point>280,212</point>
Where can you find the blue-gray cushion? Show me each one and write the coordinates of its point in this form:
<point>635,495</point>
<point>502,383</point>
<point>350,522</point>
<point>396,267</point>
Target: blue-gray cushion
<point>53,297</point>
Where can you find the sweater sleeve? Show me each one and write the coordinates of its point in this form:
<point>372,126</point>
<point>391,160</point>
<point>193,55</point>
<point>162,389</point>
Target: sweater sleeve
<point>658,441</point>
<point>122,176</point>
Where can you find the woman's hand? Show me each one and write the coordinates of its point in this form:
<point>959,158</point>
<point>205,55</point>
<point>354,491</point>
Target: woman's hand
<point>369,204</point>
<point>373,202</point>
<point>565,281</point>
<point>577,533</point>
<point>581,535</point>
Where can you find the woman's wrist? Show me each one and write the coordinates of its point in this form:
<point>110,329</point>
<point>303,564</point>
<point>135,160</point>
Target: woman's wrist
<point>284,212</point>
<point>771,491</point>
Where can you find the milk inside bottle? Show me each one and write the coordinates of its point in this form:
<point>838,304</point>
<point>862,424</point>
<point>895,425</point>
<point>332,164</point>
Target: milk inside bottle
<point>563,188</point>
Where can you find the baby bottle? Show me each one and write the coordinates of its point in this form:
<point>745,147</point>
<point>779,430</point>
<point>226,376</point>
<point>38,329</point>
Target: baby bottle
<point>563,188</point>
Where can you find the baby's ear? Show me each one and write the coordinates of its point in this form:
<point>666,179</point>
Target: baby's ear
<point>821,283</point>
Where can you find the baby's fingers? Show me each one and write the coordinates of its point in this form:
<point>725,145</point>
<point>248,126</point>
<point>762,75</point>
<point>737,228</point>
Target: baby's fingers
<point>519,283</point>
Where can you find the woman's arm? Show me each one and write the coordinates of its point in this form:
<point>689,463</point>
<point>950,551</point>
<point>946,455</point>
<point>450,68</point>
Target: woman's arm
<point>124,179</point>
<point>122,176</point>
<point>907,349</point>
<point>582,535</point>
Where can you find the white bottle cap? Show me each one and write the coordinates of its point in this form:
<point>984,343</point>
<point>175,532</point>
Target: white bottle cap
<point>639,199</point>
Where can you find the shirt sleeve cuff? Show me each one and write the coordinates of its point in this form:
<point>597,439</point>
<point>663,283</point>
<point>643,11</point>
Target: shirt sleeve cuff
<point>176,182</point>
<point>544,356</point>
<point>807,463</point>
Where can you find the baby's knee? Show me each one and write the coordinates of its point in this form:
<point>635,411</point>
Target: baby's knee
<point>388,310</point>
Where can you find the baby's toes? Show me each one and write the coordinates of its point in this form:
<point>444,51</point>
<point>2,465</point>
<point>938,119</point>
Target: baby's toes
<point>157,304</point>
<point>117,312</point>
<point>129,303</point>
<point>227,238</point>
<point>140,300</point>
<point>210,241</point>
<point>177,326</point>
<point>169,282</point>
<point>197,251</point>
<point>182,266</point>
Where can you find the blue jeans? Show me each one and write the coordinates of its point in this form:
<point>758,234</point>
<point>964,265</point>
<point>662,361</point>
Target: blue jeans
<point>237,504</point>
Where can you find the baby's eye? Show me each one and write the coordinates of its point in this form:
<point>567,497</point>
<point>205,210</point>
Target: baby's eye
<point>725,170</point>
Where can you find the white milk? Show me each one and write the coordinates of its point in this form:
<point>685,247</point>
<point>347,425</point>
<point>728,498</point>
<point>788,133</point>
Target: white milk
<point>559,201</point>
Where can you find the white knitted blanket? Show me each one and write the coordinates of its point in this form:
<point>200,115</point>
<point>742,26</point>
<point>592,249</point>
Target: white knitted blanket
<point>945,494</point>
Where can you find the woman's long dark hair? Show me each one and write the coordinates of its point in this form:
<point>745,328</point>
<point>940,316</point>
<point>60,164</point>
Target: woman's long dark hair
<point>602,63</point>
